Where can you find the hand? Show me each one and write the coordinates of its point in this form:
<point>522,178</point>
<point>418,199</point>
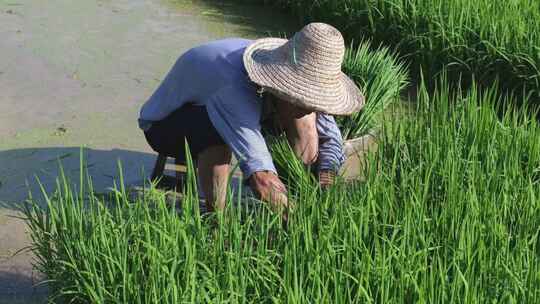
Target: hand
<point>269,188</point>
<point>326,178</point>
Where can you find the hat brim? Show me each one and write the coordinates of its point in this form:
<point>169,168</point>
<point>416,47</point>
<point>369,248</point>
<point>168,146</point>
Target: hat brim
<point>270,68</point>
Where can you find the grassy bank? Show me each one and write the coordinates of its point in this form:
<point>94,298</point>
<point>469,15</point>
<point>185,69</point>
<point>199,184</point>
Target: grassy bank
<point>449,213</point>
<point>485,38</point>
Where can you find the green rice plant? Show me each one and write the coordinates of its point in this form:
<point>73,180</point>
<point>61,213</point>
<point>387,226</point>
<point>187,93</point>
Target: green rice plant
<point>290,168</point>
<point>488,39</point>
<point>382,78</point>
<point>468,175</point>
<point>449,213</point>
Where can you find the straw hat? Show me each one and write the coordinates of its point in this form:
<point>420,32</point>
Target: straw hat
<point>305,70</point>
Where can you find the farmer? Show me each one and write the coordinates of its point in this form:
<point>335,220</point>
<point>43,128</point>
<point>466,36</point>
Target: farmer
<point>218,95</point>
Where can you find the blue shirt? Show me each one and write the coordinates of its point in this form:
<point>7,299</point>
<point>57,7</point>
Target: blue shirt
<point>213,75</point>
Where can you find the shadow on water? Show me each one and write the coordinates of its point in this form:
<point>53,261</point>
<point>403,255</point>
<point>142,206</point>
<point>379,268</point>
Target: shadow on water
<point>21,288</point>
<point>249,20</point>
<point>20,170</point>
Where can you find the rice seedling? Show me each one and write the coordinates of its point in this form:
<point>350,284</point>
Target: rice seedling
<point>488,39</point>
<point>449,213</point>
<point>382,78</point>
<point>290,168</point>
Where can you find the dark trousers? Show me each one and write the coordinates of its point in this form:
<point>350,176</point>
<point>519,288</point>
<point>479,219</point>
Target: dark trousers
<point>189,123</point>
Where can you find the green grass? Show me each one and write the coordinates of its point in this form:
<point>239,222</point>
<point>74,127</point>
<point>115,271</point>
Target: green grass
<point>449,213</point>
<point>483,39</point>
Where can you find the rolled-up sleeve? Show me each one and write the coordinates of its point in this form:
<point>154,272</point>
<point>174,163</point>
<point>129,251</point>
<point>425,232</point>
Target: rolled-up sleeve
<point>331,155</point>
<point>236,114</point>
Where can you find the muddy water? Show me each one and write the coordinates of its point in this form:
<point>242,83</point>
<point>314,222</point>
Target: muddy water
<point>75,73</point>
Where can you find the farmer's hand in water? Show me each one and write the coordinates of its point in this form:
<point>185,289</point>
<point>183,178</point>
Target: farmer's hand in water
<point>269,188</point>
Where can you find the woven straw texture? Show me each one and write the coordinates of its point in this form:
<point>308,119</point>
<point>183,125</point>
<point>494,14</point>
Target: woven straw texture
<point>305,70</point>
